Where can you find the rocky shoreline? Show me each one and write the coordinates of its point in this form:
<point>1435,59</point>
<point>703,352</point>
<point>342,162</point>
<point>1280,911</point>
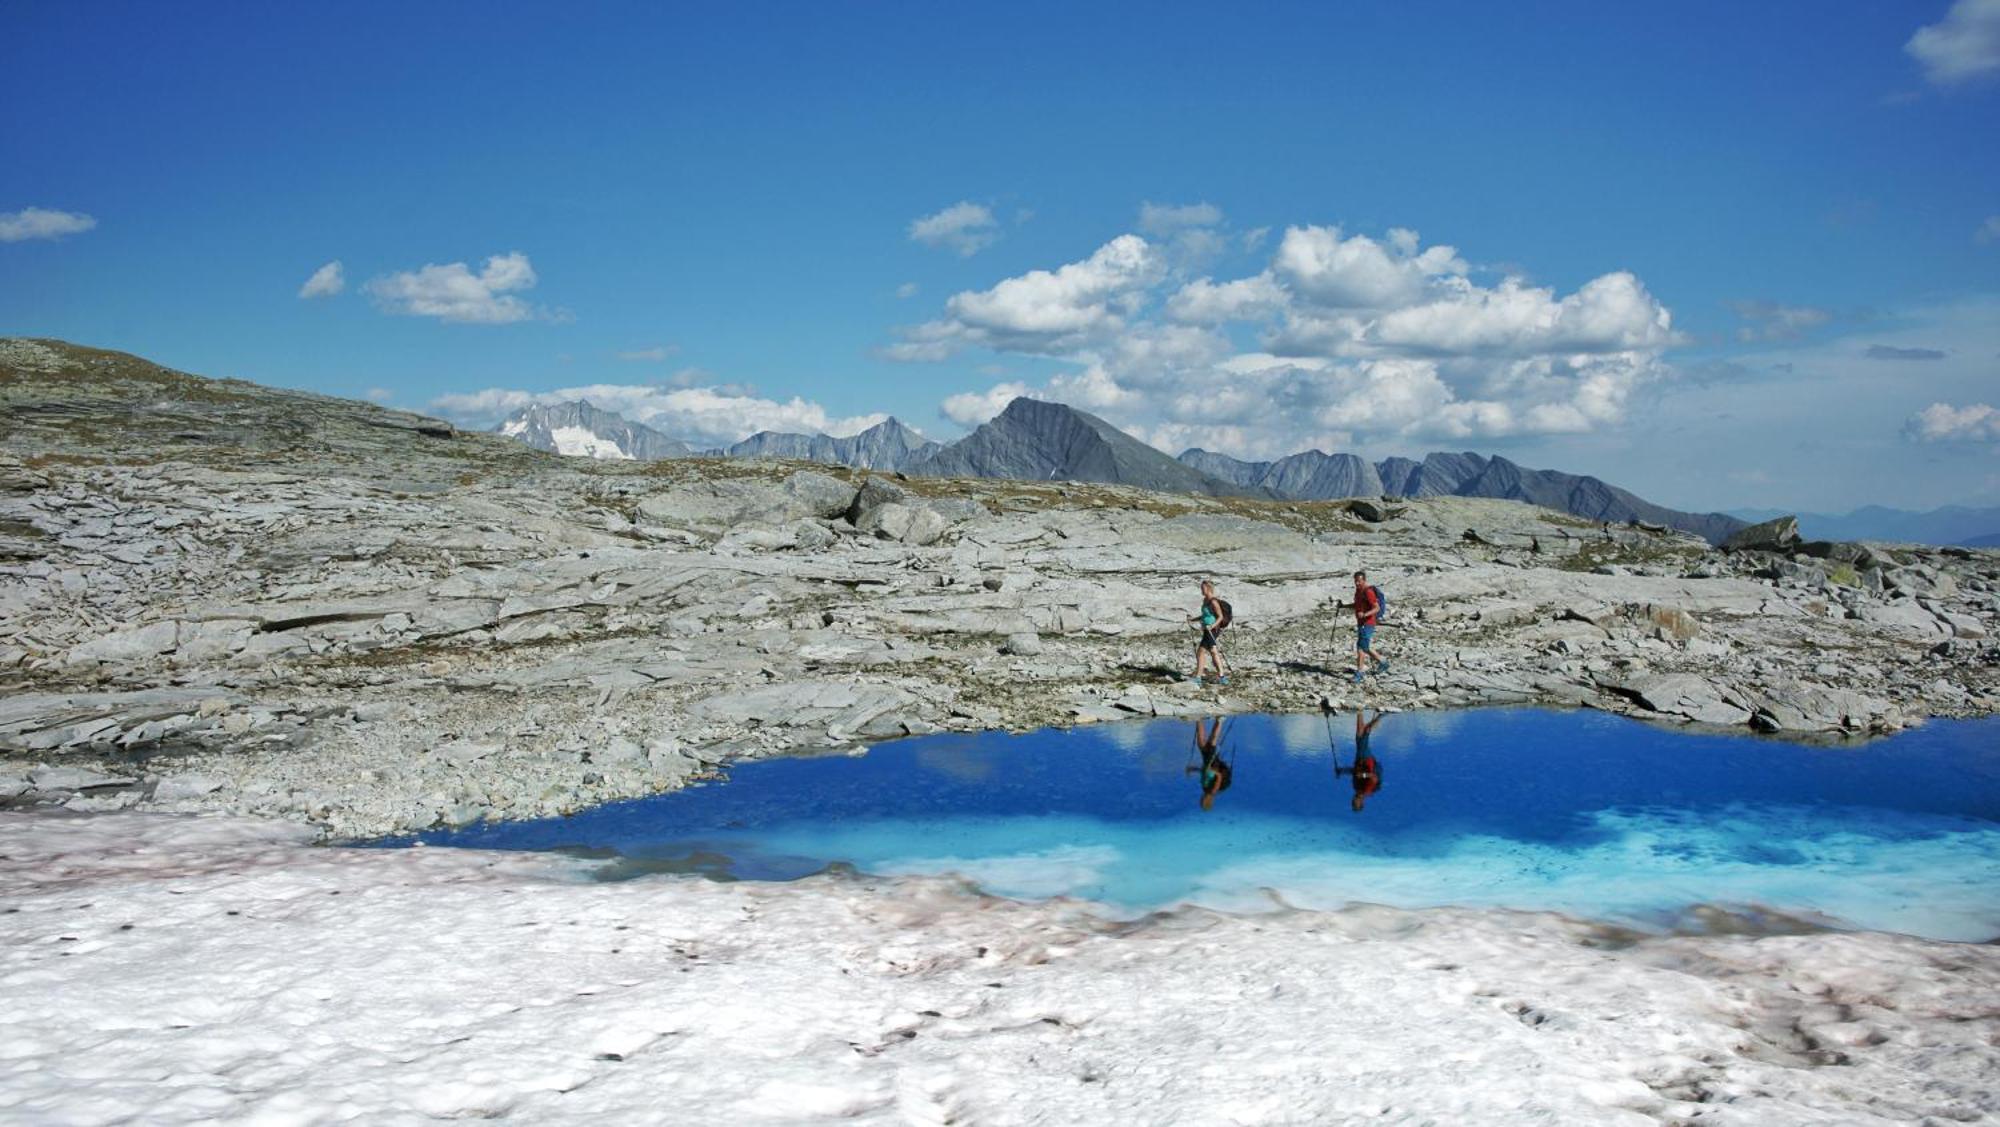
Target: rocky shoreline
<point>216,596</point>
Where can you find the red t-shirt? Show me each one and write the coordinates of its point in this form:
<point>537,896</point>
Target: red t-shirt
<point>1367,777</point>
<point>1366,606</point>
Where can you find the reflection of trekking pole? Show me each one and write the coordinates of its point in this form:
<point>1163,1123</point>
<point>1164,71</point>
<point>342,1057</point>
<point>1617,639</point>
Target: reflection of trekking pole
<point>1332,748</point>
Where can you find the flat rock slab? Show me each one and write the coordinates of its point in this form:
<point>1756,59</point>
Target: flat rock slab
<point>873,711</point>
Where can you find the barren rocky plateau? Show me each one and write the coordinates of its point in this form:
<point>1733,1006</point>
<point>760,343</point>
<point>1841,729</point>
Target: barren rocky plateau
<point>221,596</point>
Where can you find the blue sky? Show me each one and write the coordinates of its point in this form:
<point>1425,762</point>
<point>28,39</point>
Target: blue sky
<point>1791,204</point>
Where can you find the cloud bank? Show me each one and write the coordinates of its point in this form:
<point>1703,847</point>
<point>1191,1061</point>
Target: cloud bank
<point>1342,338</point>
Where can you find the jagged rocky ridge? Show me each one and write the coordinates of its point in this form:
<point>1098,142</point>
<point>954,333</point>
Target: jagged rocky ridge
<point>217,596</point>
<point>1033,440</point>
<point>1317,476</point>
<point>888,445</point>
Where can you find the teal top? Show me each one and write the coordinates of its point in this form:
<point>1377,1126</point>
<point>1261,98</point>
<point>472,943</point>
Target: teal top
<point>1208,615</point>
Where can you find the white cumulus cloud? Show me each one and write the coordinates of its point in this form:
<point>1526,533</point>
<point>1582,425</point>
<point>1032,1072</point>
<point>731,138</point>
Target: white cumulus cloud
<point>1205,302</point>
<point>1608,314</point>
<point>1364,339</point>
<point>965,227</point>
<point>326,281</point>
<point>1327,271</point>
<point>971,408</point>
<point>1942,422</point>
<point>452,292</point>
<point>1043,311</point>
<point>41,223</point>
<point>1963,46</point>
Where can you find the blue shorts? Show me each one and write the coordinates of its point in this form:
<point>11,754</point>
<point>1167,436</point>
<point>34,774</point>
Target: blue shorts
<point>1366,642</point>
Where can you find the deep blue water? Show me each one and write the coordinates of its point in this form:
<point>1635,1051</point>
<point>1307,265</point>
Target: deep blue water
<point>1569,811</point>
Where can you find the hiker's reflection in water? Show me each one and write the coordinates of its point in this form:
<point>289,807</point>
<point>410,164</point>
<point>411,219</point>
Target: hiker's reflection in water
<point>1215,773</point>
<point>1366,772</point>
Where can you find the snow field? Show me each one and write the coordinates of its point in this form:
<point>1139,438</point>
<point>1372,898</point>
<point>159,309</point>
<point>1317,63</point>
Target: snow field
<point>176,970</point>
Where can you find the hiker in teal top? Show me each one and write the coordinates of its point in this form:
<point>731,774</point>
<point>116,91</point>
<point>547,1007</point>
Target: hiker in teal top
<point>1214,617</point>
<point>1215,771</point>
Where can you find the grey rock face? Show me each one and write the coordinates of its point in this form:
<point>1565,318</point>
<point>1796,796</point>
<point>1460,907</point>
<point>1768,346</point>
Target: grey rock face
<point>1310,476</point>
<point>717,507</point>
<point>579,428</point>
<point>1224,467</point>
<point>1317,475</point>
<point>1036,441</point>
<point>827,498</point>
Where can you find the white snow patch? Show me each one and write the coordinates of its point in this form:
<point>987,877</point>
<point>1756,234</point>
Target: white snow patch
<point>584,442</point>
<point>174,970</point>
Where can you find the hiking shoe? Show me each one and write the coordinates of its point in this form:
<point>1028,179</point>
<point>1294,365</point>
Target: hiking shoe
<point>1357,676</point>
<point>1381,667</point>
<point>1222,680</point>
<point>1194,680</point>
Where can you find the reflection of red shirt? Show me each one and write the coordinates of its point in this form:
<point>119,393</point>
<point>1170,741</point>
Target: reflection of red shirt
<point>1366,606</point>
<point>1367,776</point>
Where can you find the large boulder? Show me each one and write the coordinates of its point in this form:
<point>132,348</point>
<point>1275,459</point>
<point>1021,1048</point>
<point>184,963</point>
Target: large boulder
<point>874,493</point>
<point>820,495</point>
<point>915,524</point>
<point>1779,534</point>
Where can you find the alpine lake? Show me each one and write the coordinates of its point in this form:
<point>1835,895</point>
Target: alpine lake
<point>1574,812</point>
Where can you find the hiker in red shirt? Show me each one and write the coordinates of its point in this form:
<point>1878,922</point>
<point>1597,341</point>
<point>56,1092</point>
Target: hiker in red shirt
<point>1367,613</point>
<point>1366,772</point>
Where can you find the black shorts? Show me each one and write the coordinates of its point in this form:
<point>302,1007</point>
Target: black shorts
<point>1207,639</point>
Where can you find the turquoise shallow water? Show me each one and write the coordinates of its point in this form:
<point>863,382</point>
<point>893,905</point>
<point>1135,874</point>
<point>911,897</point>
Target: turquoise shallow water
<point>1567,811</point>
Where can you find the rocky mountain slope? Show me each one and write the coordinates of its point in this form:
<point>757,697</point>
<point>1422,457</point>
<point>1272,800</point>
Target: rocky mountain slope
<point>888,445</point>
<point>1033,440</point>
<point>579,429</point>
<point>1317,476</point>
<point>217,596</point>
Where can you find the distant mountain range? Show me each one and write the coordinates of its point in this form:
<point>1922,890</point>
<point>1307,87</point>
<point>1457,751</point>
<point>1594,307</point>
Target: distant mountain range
<point>888,445</point>
<point>577,428</point>
<point>1952,524</point>
<point>1035,440</point>
<point>1317,476</point>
